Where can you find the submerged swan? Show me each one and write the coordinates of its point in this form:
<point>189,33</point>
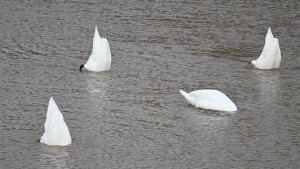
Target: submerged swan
<point>270,57</point>
<point>100,58</point>
<point>56,130</point>
<point>209,99</point>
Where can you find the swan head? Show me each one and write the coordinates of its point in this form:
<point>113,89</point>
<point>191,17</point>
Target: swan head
<point>80,68</point>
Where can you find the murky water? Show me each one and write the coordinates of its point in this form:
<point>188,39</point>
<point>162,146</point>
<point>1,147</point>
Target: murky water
<point>133,116</point>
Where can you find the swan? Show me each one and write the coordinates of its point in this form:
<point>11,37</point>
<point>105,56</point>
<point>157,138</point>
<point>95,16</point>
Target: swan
<point>56,130</point>
<point>270,57</point>
<point>209,99</point>
<point>100,59</point>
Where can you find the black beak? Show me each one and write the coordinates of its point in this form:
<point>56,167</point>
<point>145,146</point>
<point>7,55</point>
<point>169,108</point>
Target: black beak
<point>81,66</point>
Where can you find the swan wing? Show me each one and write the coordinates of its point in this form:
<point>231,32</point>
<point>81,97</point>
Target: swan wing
<point>213,99</point>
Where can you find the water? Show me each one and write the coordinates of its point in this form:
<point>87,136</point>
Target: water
<point>133,116</point>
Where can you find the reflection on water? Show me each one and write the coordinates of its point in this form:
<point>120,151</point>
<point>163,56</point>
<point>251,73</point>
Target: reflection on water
<point>269,85</point>
<point>54,157</point>
<point>97,84</point>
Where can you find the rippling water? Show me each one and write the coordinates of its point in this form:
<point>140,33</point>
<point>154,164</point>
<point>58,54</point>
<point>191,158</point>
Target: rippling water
<point>133,116</point>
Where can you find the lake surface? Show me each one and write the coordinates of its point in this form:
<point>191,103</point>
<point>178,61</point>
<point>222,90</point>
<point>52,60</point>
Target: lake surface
<point>133,115</point>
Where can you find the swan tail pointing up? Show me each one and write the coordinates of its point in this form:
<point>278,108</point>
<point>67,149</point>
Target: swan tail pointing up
<point>56,130</point>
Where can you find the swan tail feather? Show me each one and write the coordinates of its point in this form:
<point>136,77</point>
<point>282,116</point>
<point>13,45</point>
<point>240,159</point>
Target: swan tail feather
<point>192,100</point>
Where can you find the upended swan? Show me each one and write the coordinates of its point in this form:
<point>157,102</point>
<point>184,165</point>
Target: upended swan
<point>100,59</point>
<point>270,57</point>
<point>56,130</point>
<point>209,99</point>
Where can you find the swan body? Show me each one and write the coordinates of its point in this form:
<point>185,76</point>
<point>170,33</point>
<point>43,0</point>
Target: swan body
<point>100,59</point>
<point>56,130</point>
<point>270,57</point>
<point>209,99</point>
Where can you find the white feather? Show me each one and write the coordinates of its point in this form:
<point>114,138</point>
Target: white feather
<point>270,57</point>
<point>56,130</point>
<point>209,99</point>
<point>100,59</point>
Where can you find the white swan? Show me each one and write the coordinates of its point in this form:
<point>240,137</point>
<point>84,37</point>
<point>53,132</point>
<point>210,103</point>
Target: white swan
<point>56,130</point>
<point>209,99</point>
<point>270,57</point>
<point>100,59</point>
